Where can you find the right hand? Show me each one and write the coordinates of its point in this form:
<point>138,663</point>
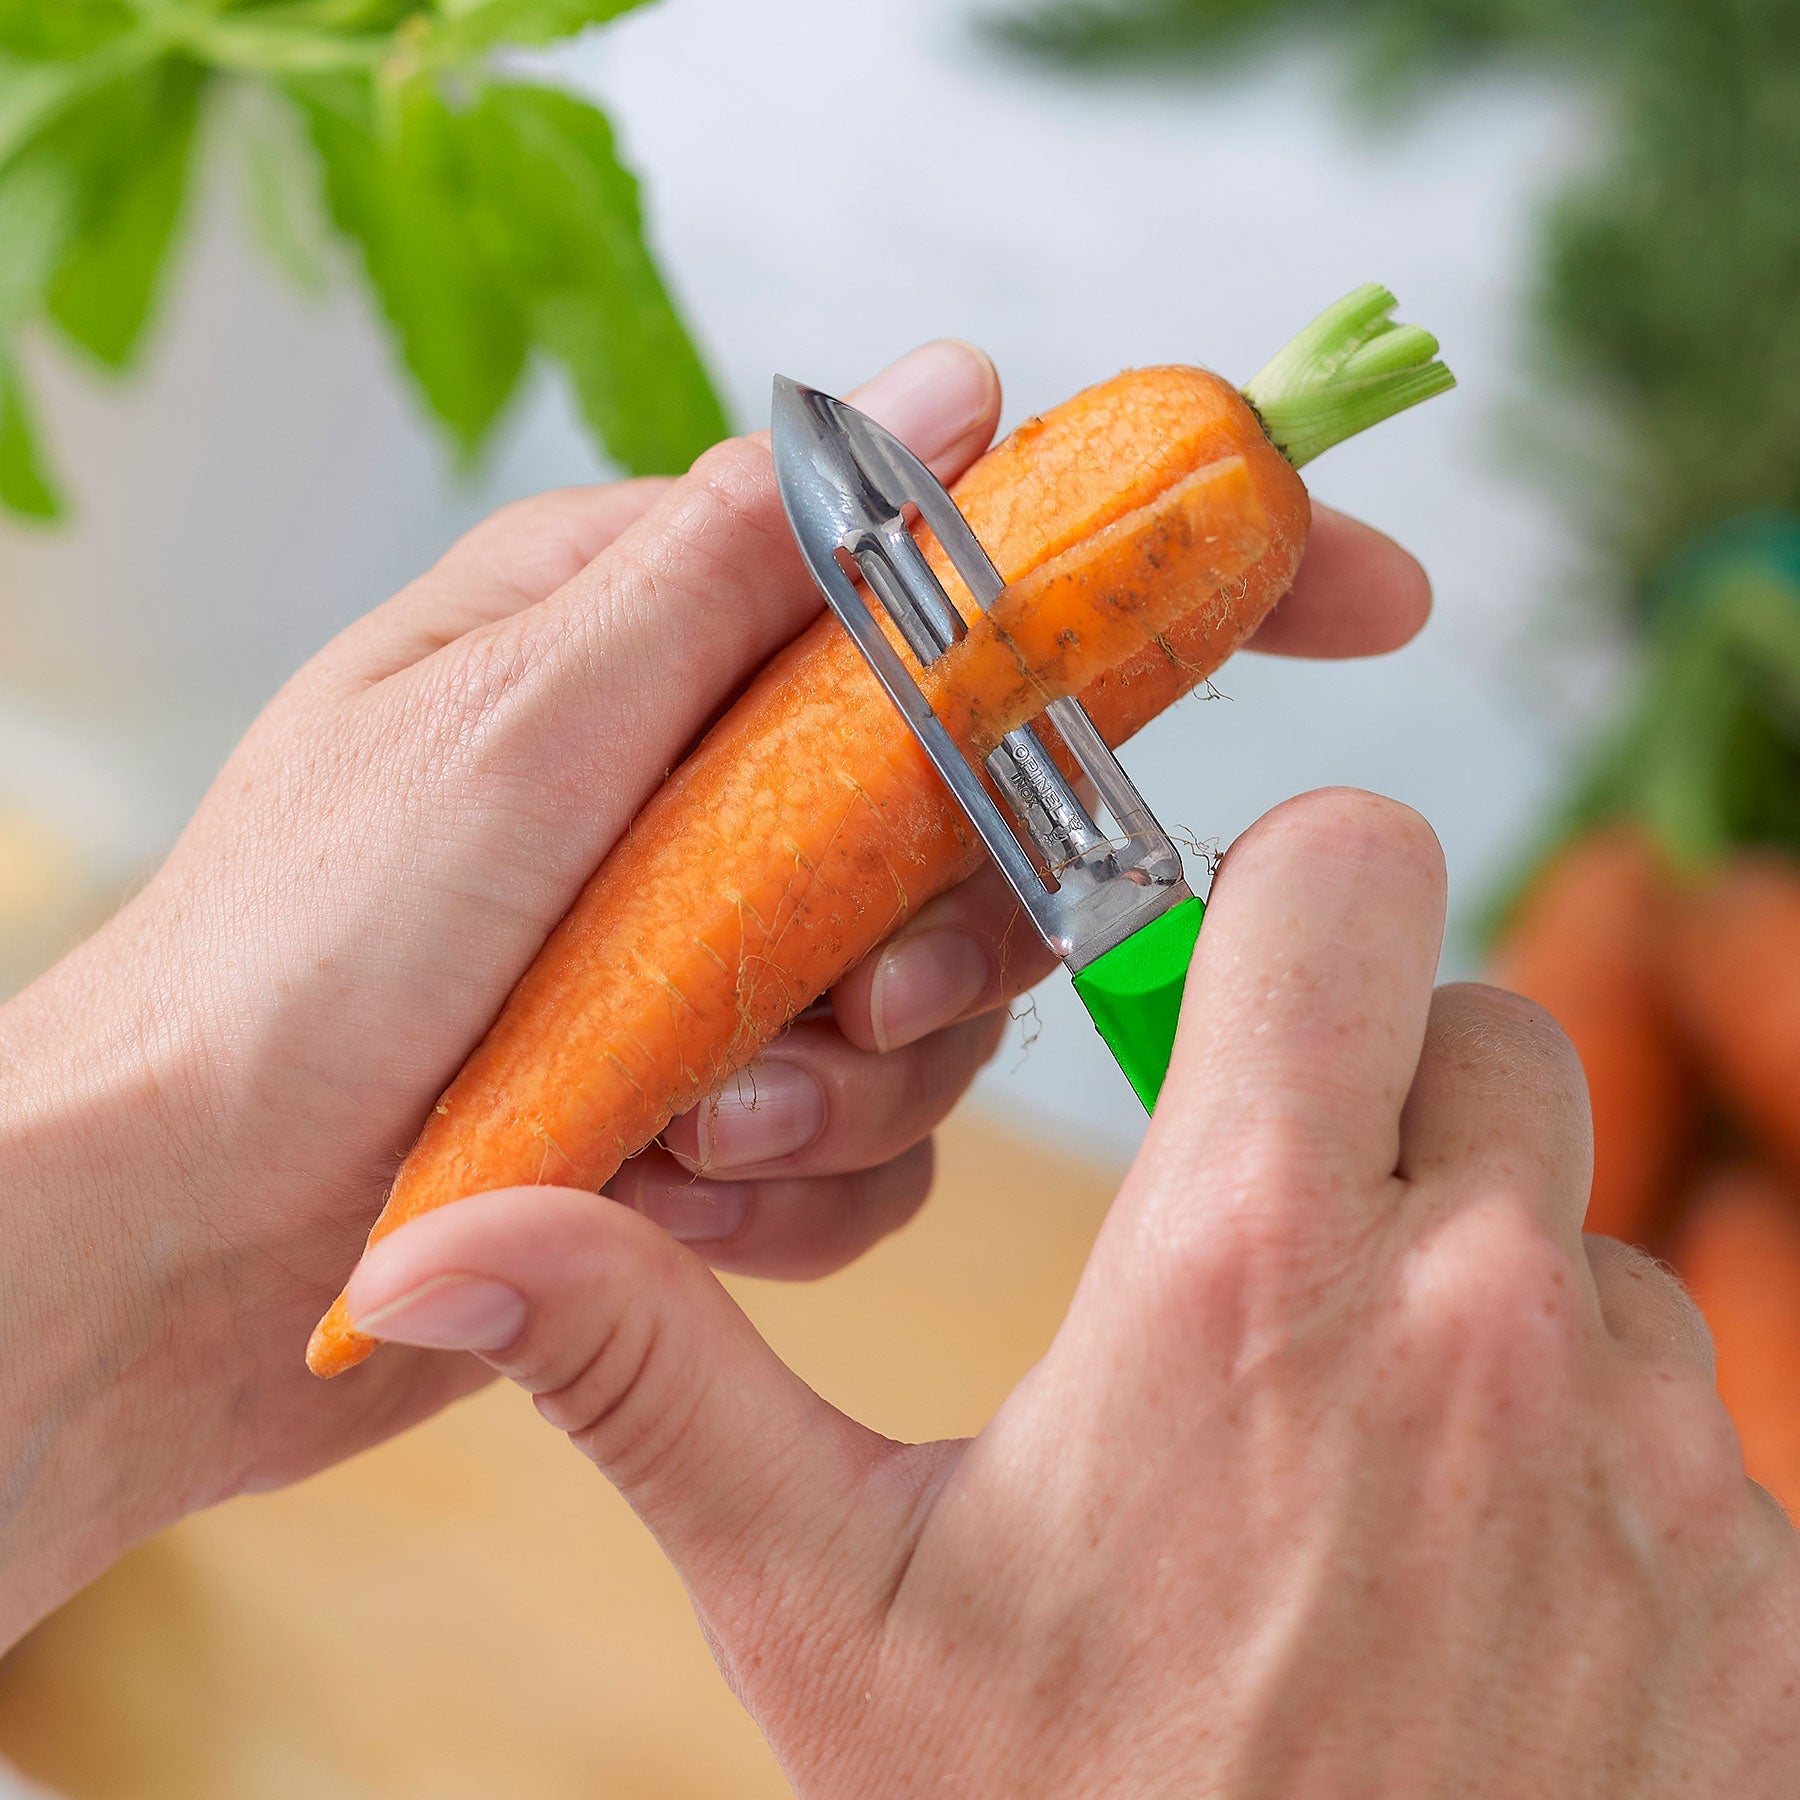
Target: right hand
<point>1353,1471</point>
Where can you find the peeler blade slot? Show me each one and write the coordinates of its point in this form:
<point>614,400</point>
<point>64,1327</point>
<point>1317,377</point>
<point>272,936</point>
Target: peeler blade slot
<point>894,568</point>
<point>1047,806</point>
<point>1143,850</point>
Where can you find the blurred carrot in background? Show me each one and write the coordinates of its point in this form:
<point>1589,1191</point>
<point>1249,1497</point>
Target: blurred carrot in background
<point>1735,967</point>
<point>1739,1252</point>
<point>1662,925</point>
<point>1674,890</point>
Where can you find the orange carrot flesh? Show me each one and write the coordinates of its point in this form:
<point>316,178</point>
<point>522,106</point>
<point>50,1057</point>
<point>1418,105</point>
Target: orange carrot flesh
<point>1590,946</point>
<point>1739,1252</point>
<point>1735,969</point>
<point>1117,446</point>
<point>1095,604</point>
<point>1144,528</point>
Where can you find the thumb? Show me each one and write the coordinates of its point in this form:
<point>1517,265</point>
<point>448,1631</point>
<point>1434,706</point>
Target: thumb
<point>766,1499</point>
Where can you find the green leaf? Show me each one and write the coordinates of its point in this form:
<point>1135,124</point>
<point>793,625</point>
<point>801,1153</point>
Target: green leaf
<point>248,45</point>
<point>1080,31</point>
<point>562,215</point>
<point>325,16</point>
<point>24,487</point>
<point>37,218</point>
<point>46,29</point>
<point>1400,40</point>
<point>129,147</point>
<point>468,27</point>
<point>503,225</point>
<point>403,189</point>
<point>30,94</point>
<point>35,94</point>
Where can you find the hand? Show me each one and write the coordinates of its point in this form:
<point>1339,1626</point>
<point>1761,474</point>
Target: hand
<point>1352,1470</point>
<point>205,1103</point>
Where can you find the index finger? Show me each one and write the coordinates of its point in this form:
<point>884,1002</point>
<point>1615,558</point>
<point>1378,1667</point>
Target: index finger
<point>1306,1010</point>
<point>1357,594</point>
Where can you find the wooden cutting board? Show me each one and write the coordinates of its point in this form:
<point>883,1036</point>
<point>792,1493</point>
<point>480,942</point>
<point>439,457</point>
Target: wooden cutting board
<point>471,1613</point>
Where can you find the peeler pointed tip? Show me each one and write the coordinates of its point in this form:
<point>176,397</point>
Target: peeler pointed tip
<point>794,408</point>
<point>786,395</point>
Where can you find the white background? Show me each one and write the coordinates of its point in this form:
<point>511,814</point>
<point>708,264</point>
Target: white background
<point>831,181</point>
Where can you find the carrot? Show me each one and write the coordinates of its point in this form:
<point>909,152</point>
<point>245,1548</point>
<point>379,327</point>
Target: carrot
<point>1735,970</point>
<point>1144,529</point>
<point>1589,947</point>
<point>1739,1253</point>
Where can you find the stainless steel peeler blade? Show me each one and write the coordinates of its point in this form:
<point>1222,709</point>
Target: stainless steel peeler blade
<point>847,485</point>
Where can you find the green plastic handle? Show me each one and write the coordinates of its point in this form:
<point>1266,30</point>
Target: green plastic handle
<point>1133,994</point>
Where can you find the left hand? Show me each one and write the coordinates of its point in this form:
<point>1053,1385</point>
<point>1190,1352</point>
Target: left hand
<point>205,1103</point>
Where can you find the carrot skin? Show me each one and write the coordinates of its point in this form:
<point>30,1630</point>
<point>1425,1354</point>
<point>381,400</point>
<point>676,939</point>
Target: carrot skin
<point>1739,1253</point>
<point>1144,528</point>
<point>1590,946</point>
<point>1735,970</point>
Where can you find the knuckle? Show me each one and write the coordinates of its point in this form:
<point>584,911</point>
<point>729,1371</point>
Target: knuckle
<point>1689,1461</point>
<point>1271,1262</point>
<point>467,689</point>
<point>729,488</point>
<point>1492,1307</point>
<point>719,521</point>
<point>734,469</point>
<point>626,1404</point>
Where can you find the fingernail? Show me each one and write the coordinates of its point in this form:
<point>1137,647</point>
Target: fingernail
<point>922,983</point>
<point>450,1312</point>
<point>932,397</point>
<point>697,1210</point>
<point>768,1110</point>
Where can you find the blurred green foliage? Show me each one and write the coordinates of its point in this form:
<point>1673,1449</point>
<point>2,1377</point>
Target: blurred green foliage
<point>1391,41</point>
<point>1669,297</point>
<point>492,216</point>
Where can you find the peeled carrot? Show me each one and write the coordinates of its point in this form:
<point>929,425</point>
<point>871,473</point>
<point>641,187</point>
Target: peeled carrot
<point>1590,946</point>
<point>1144,529</point>
<point>1739,1252</point>
<point>1735,969</point>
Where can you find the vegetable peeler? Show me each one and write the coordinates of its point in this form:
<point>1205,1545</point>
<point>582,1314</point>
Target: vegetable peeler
<point>1113,904</point>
